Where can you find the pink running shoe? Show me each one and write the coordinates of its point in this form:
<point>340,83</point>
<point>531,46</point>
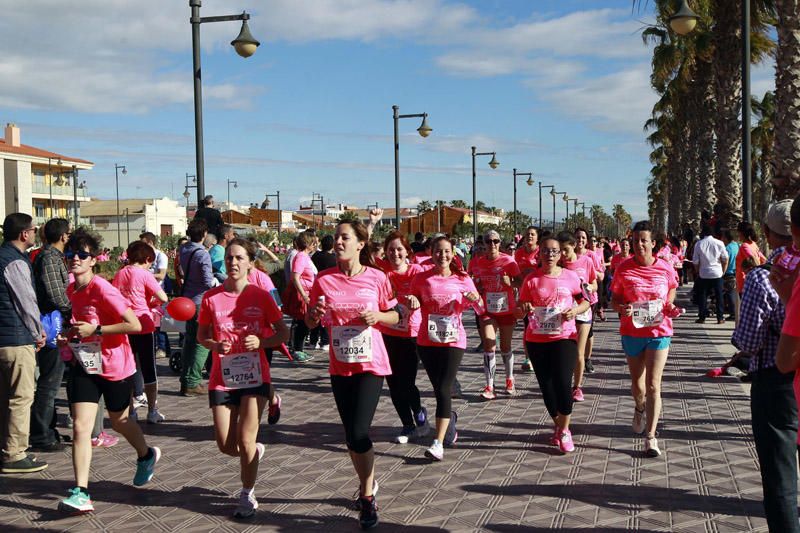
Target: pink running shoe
<point>577,395</point>
<point>104,440</point>
<point>565,442</point>
<point>488,393</point>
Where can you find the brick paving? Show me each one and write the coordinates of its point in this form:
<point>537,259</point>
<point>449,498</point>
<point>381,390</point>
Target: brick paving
<point>501,476</point>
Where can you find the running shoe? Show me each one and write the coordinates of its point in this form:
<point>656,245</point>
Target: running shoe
<point>357,495</point>
<point>27,465</point>
<point>735,372</point>
<point>368,517</point>
<point>639,421</point>
<point>408,432</point>
<point>247,505</point>
<point>274,412</point>
<point>302,357</point>
<point>565,443</point>
<point>104,440</point>
<point>77,502</point>
<point>510,390</point>
<point>488,393</point>
<point>555,438</point>
<point>139,401</point>
<point>527,366</point>
<point>720,321</point>
<point>154,416</point>
<point>577,394</point>
<point>651,447</point>
<point>325,347</point>
<point>436,451</point>
<point>589,368</point>
<point>451,435</point>
<point>421,419</point>
<point>146,467</point>
<point>161,353</point>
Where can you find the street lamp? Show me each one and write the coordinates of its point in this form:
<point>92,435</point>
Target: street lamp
<point>235,185</point>
<point>565,198</point>
<point>424,130</point>
<point>186,193</point>
<point>244,44</point>
<point>75,188</point>
<point>493,164</point>
<point>541,220</point>
<point>124,170</point>
<point>530,182</point>
<point>280,215</point>
<point>682,23</point>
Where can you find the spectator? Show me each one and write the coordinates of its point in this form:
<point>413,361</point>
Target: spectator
<point>50,279</point>
<point>325,258</point>
<point>748,249</point>
<point>20,330</point>
<point>711,260</point>
<point>730,286</point>
<point>419,242</point>
<point>211,216</point>
<point>772,402</point>
<point>195,266</point>
<point>217,252</point>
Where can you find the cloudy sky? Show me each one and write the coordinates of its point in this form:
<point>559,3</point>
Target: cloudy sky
<point>557,87</point>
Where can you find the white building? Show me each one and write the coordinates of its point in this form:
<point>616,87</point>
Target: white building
<point>39,182</point>
<point>161,216</point>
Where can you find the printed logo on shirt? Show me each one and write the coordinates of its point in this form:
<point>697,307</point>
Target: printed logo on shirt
<point>334,293</point>
<point>252,312</point>
<point>366,293</point>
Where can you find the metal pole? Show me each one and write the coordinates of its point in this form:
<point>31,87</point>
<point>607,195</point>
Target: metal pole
<point>50,178</point>
<point>280,215</point>
<point>198,99</point>
<point>396,119</point>
<point>474,208</point>
<point>747,193</point>
<point>439,215</point>
<point>75,194</point>
<point>515,203</point>
<point>541,223</point>
<point>554,211</point>
<point>116,181</point>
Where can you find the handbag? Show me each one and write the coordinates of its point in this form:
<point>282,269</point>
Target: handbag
<point>293,304</point>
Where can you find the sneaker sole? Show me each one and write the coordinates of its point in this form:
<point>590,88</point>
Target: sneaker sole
<point>401,440</point>
<point>652,453</point>
<point>429,455</point>
<point>73,511</point>
<point>23,470</point>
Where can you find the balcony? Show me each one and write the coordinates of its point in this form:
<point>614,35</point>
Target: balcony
<point>41,188</point>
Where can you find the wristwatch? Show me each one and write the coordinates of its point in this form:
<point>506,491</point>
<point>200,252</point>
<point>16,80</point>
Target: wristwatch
<point>98,330</point>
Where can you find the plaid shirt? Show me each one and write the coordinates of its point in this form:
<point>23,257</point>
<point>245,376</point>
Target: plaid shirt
<point>761,316</point>
<point>51,280</point>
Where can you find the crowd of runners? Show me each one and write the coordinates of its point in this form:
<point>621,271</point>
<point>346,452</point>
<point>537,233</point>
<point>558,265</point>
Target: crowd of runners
<point>378,308</point>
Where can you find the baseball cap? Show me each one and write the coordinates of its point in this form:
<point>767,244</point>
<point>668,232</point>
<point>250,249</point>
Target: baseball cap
<point>779,218</point>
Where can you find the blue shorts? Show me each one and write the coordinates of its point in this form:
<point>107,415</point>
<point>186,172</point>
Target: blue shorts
<point>634,346</point>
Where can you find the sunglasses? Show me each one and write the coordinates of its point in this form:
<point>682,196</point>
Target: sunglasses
<point>552,252</point>
<point>82,255</point>
<point>494,241</point>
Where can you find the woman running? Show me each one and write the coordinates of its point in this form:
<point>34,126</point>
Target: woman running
<point>102,364</point>
<point>302,277</point>
<point>496,275</point>
<point>139,286</point>
<point>527,257</point>
<point>584,266</point>
<point>350,300</point>
<point>401,341</point>
<point>442,293</point>
<point>586,244</point>
<point>643,292</point>
<point>236,323</point>
<point>551,297</point>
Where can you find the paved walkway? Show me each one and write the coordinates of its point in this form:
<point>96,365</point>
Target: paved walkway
<point>502,476</point>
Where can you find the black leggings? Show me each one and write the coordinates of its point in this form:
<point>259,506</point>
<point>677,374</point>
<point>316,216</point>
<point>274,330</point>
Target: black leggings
<point>299,335</point>
<point>554,362</point>
<point>356,399</point>
<point>402,383</point>
<point>441,364</point>
<point>143,346</point>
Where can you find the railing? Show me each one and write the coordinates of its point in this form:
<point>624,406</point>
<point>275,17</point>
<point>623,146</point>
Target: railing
<point>66,190</point>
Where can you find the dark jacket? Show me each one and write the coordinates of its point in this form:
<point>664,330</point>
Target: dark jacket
<point>51,278</point>
<point>212,218</point>
<point>19,314</point>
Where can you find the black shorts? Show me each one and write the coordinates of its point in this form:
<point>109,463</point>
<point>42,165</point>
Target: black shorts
<point>83,387</point>
<point>234,396</point>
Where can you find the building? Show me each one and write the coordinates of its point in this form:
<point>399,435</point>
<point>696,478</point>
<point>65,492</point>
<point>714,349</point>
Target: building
<point>161,216</point>
<point>444,220</point>
<point>39,182</point>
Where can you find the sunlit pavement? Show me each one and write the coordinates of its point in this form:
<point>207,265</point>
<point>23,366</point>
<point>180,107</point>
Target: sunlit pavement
<point>501,476</point>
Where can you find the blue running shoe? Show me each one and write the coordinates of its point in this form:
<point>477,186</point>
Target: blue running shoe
<point>77,502</point>
<point>145,468</point>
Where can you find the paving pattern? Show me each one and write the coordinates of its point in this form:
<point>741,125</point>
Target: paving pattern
<point>501,476</point>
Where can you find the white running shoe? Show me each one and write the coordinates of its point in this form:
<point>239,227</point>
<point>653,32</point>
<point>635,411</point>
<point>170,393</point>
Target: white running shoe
<point>436,451</point>
<point>154,416</point>
<point>139,401</point>
<point>247,506</point>
<point>639,421</point>
<point>651,447</point>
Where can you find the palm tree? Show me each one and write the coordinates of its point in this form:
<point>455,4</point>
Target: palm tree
<point>461,204</point>
<point>763,141</point>
<point>424,206</point>
<point>787,100</point>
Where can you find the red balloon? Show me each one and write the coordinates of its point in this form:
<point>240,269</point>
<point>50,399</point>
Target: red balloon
<point>181,308</point>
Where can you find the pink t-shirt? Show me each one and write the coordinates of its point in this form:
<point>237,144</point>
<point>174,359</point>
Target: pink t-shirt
<point>401,283</point>
<point>233,317</point>
<point>527,261</point>
<point>441,303</point>
<point>497,296</point>
<point>101,303</point>
<point>550,296</point>
<point>260,279</point>
<point>354,348</point>
<point>139,286</point>
<point>301,264</point>
<point>584,266</point>
<point>617,260</point>
<point>791,324</point>
<point>647,288</point>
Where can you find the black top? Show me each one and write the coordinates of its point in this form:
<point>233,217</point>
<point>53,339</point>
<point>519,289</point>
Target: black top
<point>212,218</point>
<point>323,260</point>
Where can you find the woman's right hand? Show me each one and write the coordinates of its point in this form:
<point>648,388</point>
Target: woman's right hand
<point>318,311</point>
<point>413,302</point>
<point>625,309</point>
<point>224,346</point>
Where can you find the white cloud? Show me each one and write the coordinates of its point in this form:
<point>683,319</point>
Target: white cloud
<point>411,201</point>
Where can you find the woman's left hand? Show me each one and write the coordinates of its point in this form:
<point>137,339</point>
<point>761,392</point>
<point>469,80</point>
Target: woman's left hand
<point>252,342</point>
<point>370,318</point>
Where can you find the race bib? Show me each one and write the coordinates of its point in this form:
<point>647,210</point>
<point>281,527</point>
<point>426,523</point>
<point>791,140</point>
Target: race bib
<point>241,370</point>
<point>497,302</point>
<point>547,320</point>
<point>443,328</point>
<point>402,324</point>
<point>647,314</point>
<point>352,344</point>
<point>586,316</point>
<point>90,355</point>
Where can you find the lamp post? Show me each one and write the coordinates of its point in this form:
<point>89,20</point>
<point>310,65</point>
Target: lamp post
<point>583,208</point>
<point>75,188</point>
<point>565,198</point>
<point>277,195</point>
<point>529,181</point>
<point>127,224</point>
<point>684,22</point>
<point>186,194</point>
<point>541,220</point>
<point>424,130</point>
<point>494,164</point>
<point>235,185</point>
<point>574,210</point>
<point>124,170</point>
<point>244,44</point>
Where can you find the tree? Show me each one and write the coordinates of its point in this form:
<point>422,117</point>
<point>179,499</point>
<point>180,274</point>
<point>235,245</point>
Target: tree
<point>348,216</point>
<point>424,206</point>
<point>622,219</point>
<point>787,100</point>
<point>523,221</point>
<point>763,141</point>
<point>461,204</point>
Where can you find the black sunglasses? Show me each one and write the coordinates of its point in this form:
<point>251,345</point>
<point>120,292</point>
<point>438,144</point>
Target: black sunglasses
<point>494,241</point>
<point>82,255</point>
